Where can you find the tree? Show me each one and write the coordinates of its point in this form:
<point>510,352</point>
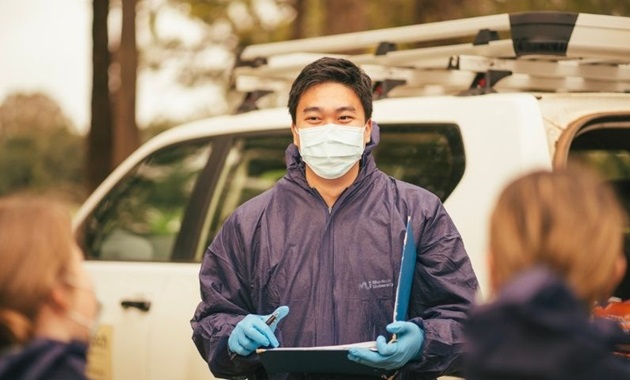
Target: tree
<point>38,151</point>
<point>22,113</point>
<point>297,28</point>
<point>344,16</point>
<point>100,136</point>
<point>113,131</point>
<point>125,131</point>
<point>611,7</point>
<point>437,10</point>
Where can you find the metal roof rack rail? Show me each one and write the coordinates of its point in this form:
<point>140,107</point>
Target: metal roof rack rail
<point>530,51</point>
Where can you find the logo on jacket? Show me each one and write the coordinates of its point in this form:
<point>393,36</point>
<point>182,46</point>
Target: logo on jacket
<point>376,284</point>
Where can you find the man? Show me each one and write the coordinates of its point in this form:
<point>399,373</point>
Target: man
<point>323,248</point>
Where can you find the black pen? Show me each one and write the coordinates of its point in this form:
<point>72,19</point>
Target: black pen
<point>271,319</point>
<point>268,322</point>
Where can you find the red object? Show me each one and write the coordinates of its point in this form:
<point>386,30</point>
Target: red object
<point>620,311</point>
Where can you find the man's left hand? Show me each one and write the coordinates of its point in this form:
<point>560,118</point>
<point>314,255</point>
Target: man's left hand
<point>395,354</point>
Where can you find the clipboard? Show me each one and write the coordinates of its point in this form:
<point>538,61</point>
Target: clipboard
<point>334,359</point>
<point>405,277</point>
<point>320,359</point>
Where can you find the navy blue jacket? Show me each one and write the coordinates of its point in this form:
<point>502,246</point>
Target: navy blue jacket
<point>537,329</point>
<point>335,268</point>
<point>45,359</point>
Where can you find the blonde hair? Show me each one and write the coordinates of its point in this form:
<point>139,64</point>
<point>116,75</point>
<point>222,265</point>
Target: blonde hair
<point>570,221</point>
<point>36,243</point>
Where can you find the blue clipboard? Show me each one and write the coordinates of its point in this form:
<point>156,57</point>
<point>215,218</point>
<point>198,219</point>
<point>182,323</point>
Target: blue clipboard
<point>405,277</point>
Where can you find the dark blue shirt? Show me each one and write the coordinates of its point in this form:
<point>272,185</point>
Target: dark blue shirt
<point>45,359</point>
<point>537,329</point>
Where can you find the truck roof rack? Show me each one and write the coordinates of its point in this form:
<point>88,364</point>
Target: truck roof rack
<point>530,51</point>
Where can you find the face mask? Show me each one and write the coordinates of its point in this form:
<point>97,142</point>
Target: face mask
<point>91,325</point>
<point>331,150</point>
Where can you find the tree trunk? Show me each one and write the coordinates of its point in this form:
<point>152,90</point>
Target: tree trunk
<point>344,16</point>
<point>298,27</point>
<point>438,10</point>
<point>126,136</point>
<point>99,152</point>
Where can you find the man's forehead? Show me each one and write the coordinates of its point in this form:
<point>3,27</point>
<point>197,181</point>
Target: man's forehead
<point>329,97</point>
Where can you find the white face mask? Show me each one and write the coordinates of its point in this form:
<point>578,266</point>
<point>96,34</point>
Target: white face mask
<point>90,324</point>
<point>331,150</point>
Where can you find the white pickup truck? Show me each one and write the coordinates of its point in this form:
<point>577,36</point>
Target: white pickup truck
<point>458,118</point>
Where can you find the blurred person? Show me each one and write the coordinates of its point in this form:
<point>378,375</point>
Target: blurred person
<point>48,308</point>
<point>555,251</point>
<point>323,249</point>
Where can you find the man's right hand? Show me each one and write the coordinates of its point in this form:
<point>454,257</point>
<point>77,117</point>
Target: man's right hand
<point>253,332</point>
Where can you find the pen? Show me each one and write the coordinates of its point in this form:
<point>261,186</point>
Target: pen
<point>271,319</point>
<point>268,322</point>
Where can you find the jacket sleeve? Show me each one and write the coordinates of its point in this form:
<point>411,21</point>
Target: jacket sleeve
<point>225,300</point>
<point>444,290</point>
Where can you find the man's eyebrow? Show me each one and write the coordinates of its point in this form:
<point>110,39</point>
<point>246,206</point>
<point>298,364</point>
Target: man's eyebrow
<point>346,108</point>
<point>340,109</point>
<point>312,109</point>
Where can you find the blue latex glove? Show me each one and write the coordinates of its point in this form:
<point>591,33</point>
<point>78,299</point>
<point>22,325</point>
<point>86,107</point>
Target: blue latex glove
<point>253,332</point>
<point>395,354</point>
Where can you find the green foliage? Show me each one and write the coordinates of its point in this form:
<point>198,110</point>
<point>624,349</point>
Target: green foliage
<point>156,127</point>
<point>50,162</point>
<point>245,18</point>
<point>38,152</point>
<point>608,7</point>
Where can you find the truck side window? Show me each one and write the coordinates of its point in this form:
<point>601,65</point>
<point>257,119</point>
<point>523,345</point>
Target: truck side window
<point>605,146</point>
<point>140,217</point>
<point>428,155</point>
<point>253,164</point>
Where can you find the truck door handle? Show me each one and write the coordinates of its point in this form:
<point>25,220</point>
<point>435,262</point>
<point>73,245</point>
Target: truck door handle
<point>140,305</point>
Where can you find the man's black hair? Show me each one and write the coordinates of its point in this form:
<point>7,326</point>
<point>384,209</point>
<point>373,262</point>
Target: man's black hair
<point>332,70</point>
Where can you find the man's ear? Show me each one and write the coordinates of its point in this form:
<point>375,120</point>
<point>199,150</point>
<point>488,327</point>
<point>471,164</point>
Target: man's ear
<point>296,137</point>
<point>368,131</point>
